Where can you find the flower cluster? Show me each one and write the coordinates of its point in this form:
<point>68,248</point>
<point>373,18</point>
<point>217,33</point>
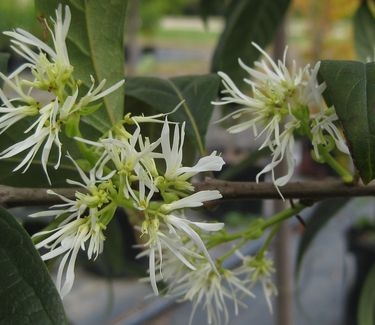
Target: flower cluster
<point>211,289</point>
<point>59,103</point>
<point>284,103</point>
<point>126,175</point>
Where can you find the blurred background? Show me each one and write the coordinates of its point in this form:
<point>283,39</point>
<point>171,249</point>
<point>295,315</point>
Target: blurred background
<point>167,38</point>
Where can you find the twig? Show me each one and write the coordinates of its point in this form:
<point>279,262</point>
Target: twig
<point>314,190</point>
<point>24,196</point>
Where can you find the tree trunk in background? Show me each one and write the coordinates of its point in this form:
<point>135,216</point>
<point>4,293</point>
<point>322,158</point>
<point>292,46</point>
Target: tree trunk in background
<point>284,282</point>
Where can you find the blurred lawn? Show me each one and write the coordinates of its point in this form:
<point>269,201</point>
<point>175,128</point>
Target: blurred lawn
<point>197,45</point>
<point>178,49</point>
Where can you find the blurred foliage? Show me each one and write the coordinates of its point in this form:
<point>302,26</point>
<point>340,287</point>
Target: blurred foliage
<point>16,13</point>
<point>151,11</point>
<point>332,9</point>
<point>328,25</point>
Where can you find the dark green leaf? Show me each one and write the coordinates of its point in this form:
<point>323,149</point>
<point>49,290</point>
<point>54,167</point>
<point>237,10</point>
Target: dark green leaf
<point>351,89</point>
<point>163,95</point>
<point>209,7</point>
<point>322,213</point>
<point>27,293</point>
<point>95,46</point>
<point>364,32</point>
<point>366,307</point>
<point>247,21</point>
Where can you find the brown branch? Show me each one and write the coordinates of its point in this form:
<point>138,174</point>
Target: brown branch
<point>314,190</point>
<point>24,196</point>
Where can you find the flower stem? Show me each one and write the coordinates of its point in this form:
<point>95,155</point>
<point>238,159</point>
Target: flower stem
<point>346,175</point>
<point>256,228</point>
<point>268,240</point>
<point>283,215</point>
<point>231,251</point>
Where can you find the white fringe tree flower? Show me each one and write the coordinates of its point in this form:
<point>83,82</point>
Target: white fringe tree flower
<point>283,103</point>
<point>53,74</point>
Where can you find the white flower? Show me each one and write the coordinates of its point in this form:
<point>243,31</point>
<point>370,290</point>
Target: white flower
<point>323,130</point>
<point>12,113</point>
<point>192,201</point>
<point>53,73</point>
<point>276,91</point>
<point>131,157</point>
<point>255,270</point>
<point>284,150</point>
<point>211,290</point>
<point>46,130</point>
<point>145,192</point>
<point>159,244</point>
<point>172,153</point>
<point>67,240</point>
<point>82,227</point>
<point>50,66</point>
<point>95,198</point>
<point>282,101</point>
<point>93,94</point>
<point>174,232</point>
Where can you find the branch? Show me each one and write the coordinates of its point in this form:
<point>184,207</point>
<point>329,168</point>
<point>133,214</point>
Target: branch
<point>314,190</point>
<point>26,196</point>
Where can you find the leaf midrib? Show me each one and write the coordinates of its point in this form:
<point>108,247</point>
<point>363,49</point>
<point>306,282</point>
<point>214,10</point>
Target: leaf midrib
<point>190,117</point>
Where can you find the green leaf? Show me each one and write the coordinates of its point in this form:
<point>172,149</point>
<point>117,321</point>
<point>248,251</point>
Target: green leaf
<point>364,32</point>
<point>27,293</point>
<point>95,46</point>
<point>322,213</point>
<point>247,21</point>
<point>351,89</point>
<point>163,95</point>
<point>366,307</point>
<point>208,8</point>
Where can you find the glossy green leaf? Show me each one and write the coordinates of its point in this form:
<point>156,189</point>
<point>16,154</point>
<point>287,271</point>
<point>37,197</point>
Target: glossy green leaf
<point>366,307</point>
<point>364,32</point>
<point>322,213</point>
<point>247,21</point>
<point>27,293</point>
<point>95,47</point>
<point>351,89</point>
<point>163,95</point>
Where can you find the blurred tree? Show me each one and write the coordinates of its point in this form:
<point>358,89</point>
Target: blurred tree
<point>320,17</point>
